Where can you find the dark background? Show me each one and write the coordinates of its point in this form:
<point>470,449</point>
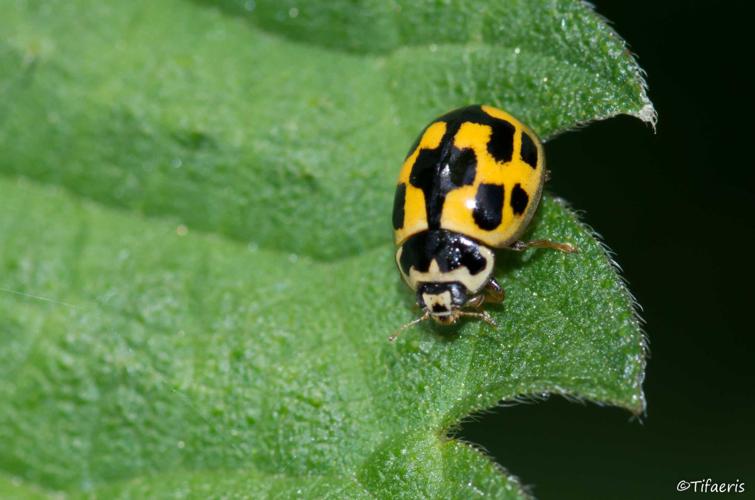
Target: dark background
<point>677,208</point>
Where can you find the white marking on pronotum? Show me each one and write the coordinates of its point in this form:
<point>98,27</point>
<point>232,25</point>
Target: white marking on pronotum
<point>442,299</point>
<point>473,282</point>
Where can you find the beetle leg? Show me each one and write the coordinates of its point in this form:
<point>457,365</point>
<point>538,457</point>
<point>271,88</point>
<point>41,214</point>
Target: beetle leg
<point>475,302</point>
<point>422,318</point>
<point>524,245</point>
<point>480,315</point>
<point>494,292</point>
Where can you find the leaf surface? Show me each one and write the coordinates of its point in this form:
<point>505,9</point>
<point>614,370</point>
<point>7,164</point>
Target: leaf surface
<point>196,271</point>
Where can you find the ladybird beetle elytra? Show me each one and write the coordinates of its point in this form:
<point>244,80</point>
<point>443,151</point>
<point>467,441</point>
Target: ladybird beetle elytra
<point>471,182</point>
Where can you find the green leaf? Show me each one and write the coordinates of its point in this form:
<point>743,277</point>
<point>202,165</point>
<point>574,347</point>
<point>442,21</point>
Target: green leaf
<point>196,270</point>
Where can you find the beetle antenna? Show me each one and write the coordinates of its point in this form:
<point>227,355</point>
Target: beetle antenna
<point>409,325</point>
<point>481,315</point>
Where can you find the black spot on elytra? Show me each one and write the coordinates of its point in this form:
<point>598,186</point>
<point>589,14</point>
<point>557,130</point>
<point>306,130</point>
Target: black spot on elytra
<point>519,199</point>
<point>445,168</point>
<point>424,175</point>
<point>501,143</point>
<point>450,250</point>
<point>488,211</point>
<point>438,171</point>
<point>398,206</point>
<point>529,150</point>
<point>462,167</point>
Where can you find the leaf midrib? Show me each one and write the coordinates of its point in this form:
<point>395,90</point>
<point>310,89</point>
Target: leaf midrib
<point>96,485</point>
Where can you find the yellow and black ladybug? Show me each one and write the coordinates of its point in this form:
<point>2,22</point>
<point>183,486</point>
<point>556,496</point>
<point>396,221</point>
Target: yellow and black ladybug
<point>471,182</point>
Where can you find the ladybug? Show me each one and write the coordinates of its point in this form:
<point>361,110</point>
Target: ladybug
<point>471,182</point>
